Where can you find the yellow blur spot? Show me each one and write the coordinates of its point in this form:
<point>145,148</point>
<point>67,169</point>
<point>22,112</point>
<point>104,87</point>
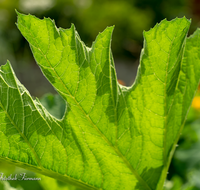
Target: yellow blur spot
<point>196,102</point>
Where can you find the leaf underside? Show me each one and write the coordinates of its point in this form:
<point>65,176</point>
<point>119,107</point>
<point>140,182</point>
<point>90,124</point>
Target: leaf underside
<point>111,136</point>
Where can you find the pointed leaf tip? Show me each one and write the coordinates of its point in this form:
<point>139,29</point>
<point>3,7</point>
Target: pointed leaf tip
<point>135,128</point>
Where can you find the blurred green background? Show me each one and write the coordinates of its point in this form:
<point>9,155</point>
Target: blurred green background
<point>131,18</point>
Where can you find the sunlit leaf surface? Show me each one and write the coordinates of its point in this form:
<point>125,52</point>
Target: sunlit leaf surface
<point>111,136</point>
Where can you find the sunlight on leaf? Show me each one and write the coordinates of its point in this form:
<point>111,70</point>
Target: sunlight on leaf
<point>111,136</point>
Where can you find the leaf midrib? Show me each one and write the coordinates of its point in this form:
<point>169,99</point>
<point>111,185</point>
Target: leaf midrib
<point>165,99</point>
<point>167,160</point>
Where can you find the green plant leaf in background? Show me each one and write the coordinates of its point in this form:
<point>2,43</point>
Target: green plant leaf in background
<point>53,184</point>
<point>6,186</point>
<point>54,104</point>
<point>111,136</point>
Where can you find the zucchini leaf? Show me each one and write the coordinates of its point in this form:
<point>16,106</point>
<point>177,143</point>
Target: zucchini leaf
<point>111,136</point>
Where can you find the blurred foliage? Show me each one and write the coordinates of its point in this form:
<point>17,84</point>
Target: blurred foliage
<point>5,185</point>
<point>51,184</point>
<point>54,104</point>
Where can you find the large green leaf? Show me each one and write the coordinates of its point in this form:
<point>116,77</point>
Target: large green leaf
<point>111,136</point>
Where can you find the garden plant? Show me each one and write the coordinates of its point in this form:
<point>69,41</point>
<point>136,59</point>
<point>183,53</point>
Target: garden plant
<point>111,137</point>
